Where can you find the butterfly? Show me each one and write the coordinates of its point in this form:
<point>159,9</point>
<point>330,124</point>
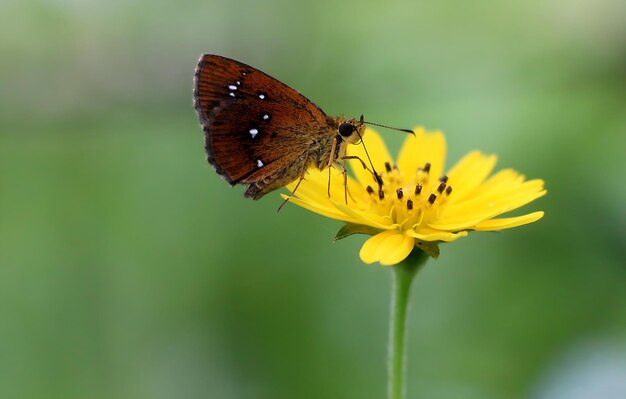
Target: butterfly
<point>263,134</point>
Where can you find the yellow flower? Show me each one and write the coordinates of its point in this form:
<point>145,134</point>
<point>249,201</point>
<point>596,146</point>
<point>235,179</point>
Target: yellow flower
<point>417,205</point>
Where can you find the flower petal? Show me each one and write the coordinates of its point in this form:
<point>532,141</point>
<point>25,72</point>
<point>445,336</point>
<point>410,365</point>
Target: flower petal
<point>468,220</point>
<point>507,223</point>
<point>388,248</point>
<point>503,178</point>
<point>469,173</point>
<point>314,188</point>
<point>321,210</point>
<point>396,248</point>
<point>369,252</point>
<point>377,151</point>
<point>421,148</point>
<point>502,202</point>
<point>428,234</point>
<point>367,218</point>
<point>502,193</point>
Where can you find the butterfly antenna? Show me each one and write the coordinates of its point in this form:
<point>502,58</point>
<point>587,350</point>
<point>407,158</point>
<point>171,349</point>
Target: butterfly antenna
<point>379,179</point>
<point>392,128</point>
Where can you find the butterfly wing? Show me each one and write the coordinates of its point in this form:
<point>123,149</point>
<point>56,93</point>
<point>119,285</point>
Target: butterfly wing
<point>258,131</point>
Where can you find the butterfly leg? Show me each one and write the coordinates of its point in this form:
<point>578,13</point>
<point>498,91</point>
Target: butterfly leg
<point>345,182</point>
<point>331,160</point>
<point>376,177</point>
<point>358,159</point>
<point>344,172</point>
<point>329,181</point>
<point>292,193</point>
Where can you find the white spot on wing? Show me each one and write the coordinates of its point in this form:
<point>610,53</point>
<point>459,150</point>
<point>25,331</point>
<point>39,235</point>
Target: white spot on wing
<point>232,87</point>
<point>231,94</point>
<point>265,117</point>
<point>262,96</point>
<point>259,163</point>
<point>253,132</point>
<point>238,83</point>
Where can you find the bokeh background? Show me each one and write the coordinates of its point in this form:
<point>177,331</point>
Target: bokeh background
<point>129,269</point>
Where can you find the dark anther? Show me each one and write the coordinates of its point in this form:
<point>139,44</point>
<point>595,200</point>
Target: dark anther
<point>379,179</point>
<point>418,189</point>
<point>432,198</point>
<point>395,167</point>
<point>441,187</point>
<point>399,193</point>
<point>381,194</point>
<point>346,129</point>
<point>409,204</point>
<point>443,179</point>
<point>387,167</point>
<point>449,190</point>
<point>370,190</point>
<point>427,167</point>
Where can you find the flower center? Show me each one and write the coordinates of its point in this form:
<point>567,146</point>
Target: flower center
<point>410,201</point>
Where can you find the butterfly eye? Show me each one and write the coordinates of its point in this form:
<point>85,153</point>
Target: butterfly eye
<point>346,129</point>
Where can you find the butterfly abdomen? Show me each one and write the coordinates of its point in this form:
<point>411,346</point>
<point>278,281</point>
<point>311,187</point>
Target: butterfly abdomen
<point>259,185</point>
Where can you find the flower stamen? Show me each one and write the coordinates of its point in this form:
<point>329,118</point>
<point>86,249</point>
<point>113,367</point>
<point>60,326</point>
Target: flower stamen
<point>409,204</point>
<point>448,190</point>
<point>399,193</point>
<point>441,187</point>
<point>432,198</point>
<point>418,189</point>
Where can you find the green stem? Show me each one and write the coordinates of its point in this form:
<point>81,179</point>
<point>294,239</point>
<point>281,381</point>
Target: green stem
<point>403,274</point>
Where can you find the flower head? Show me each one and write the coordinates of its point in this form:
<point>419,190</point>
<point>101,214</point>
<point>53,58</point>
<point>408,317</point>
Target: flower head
<point>413,203</point>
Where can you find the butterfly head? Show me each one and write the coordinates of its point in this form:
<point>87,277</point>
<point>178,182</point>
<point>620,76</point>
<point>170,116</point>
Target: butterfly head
<point>351,131</point>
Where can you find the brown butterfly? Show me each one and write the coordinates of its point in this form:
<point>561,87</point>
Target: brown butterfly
<point>262,133</point>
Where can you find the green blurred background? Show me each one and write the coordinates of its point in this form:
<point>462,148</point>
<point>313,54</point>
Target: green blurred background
<point>129,269</point>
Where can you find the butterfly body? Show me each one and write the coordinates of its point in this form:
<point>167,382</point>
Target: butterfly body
<point>260,132</point>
